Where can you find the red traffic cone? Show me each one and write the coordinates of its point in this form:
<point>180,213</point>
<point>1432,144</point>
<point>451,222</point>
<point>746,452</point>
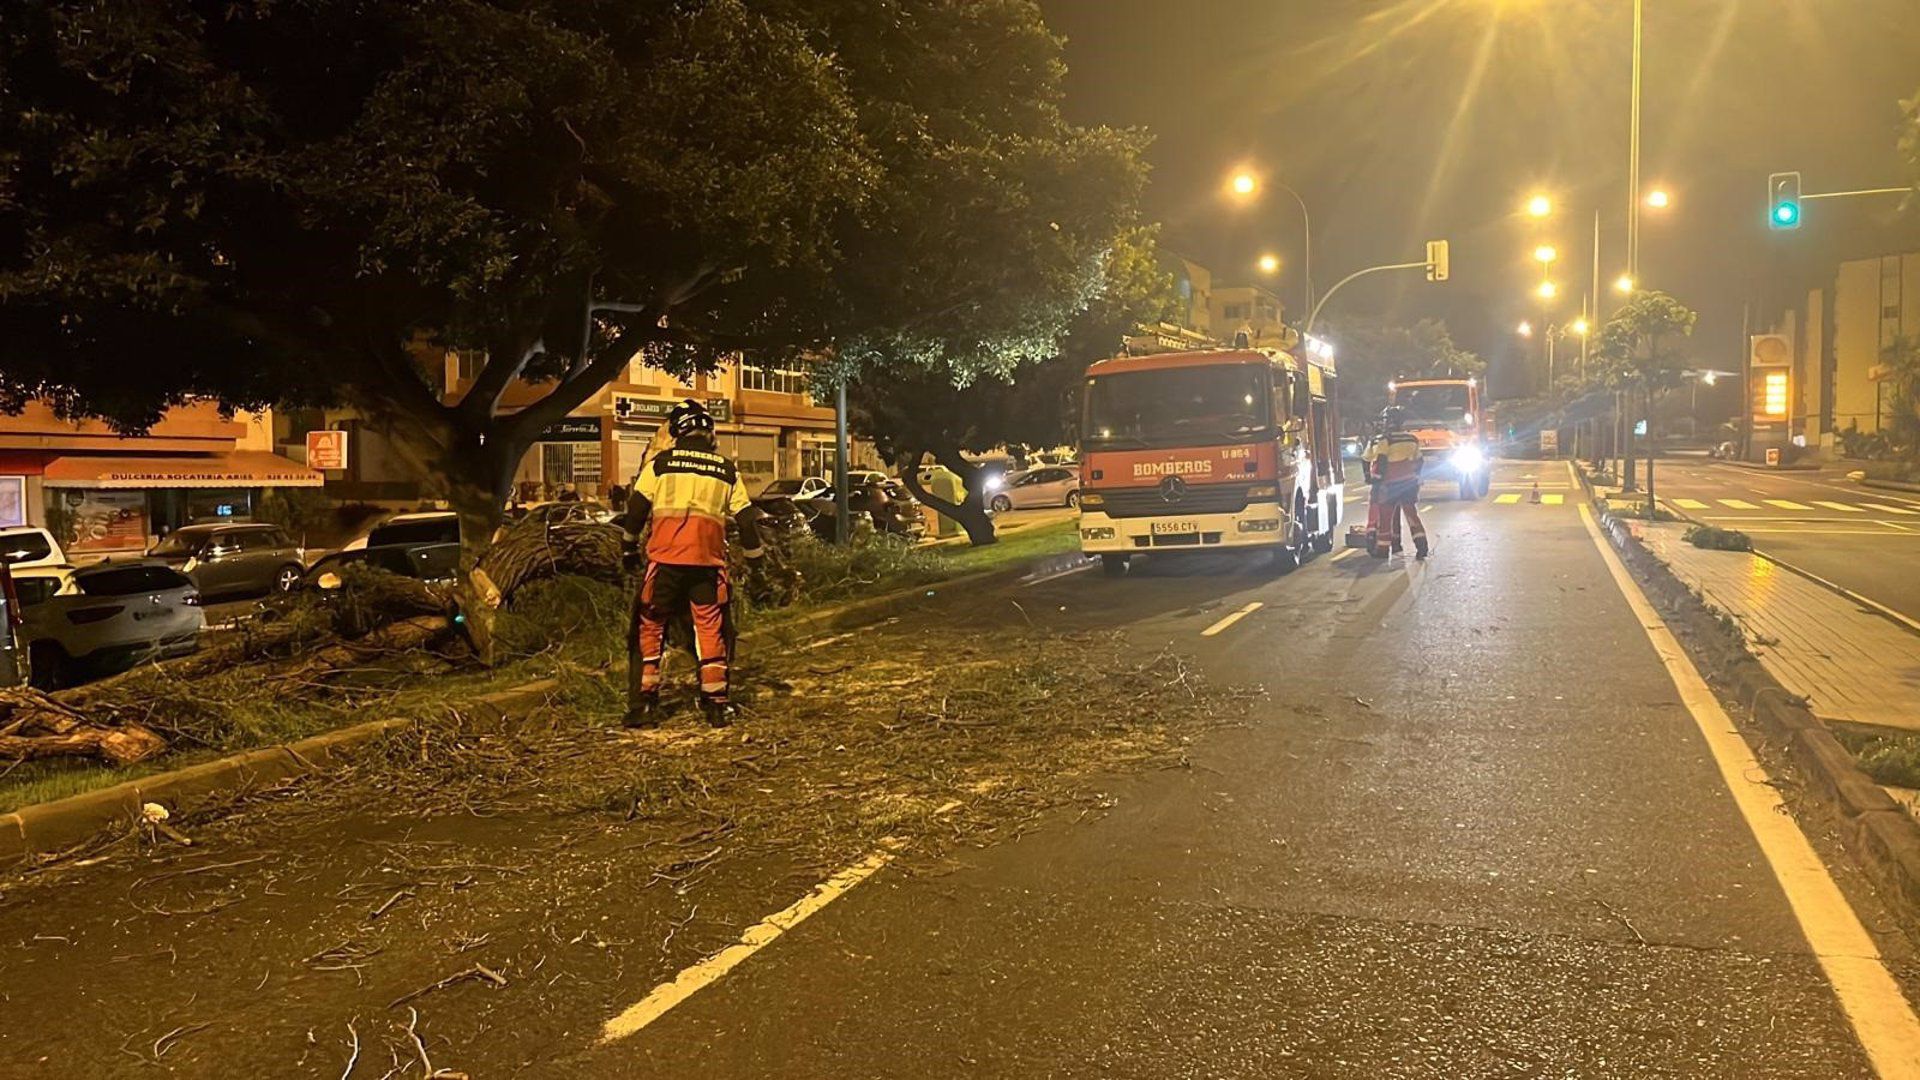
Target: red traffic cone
<point>1534,498</point>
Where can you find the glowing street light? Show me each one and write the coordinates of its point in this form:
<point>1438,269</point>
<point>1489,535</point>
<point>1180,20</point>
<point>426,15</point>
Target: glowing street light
<point>1545,253</point>
<point>1547,290</point>
<point>1269,264</point>
<point>1525,329</point>
<point>1243,184</point>
<point>1659,199</point>
<point>1539,206</point>
<point>1623,284</point>
<point>1581,326</point>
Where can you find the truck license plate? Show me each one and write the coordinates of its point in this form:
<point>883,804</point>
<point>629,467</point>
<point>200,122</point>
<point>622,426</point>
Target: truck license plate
<point>1175,528</point>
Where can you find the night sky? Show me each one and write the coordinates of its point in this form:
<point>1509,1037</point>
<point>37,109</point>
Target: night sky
<point>1405,120</point>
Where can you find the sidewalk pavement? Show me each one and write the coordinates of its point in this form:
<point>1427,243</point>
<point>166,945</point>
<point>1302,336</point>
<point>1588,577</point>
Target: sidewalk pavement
<point>1851,664</point>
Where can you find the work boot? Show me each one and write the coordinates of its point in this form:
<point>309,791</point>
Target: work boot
<point>719,713</point>
<point>1420,548</point>
<point>643,712</point>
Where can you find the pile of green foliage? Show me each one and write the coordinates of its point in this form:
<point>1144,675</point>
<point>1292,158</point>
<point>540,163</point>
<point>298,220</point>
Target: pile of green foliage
<point>1714,538</point>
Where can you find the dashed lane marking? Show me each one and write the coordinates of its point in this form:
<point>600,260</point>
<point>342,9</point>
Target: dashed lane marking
<point>1888,509</point>
<point>1842,507</point>
<point>1690,504</point>
<point>1786,504</point>
<point>1738,504</point>
<point>1552,500</point>
<point>756,937</point>
<point>1508,499</point>
<point>1231,619</point>
<point>1347,554</point>
<point>1868,995</point>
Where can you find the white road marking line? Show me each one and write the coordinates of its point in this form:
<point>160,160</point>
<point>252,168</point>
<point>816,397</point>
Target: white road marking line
<point>1868,995</point>
<point>752,940</point>
<point>1347,554</point>
<point>1427,508</point>
<point>1552,500</point>
<point>1801,530</point>
<point>1894,525</point>
<point>1738,504</point>
<point>1842,507</point>
<point>1689,504</point>
<point>1234,618</point>
<point>1888,509</point>
<point>1057,575</point>
<point>1508,499</point>
<point>1786,504</point>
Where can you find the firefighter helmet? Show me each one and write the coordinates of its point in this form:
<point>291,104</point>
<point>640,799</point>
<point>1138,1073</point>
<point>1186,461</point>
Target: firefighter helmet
<point>688,418</point>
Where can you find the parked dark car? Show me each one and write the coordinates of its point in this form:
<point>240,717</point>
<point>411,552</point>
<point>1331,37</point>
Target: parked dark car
<point>230,559</point>
<point>438,563</point>
<point>885,504</point>
<point>421,527</point>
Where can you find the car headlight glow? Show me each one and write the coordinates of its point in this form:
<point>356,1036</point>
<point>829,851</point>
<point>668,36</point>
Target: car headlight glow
<point>995,483</point>
<point>1468,458</point>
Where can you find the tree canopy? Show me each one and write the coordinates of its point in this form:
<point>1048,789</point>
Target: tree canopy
<point>267,201</point>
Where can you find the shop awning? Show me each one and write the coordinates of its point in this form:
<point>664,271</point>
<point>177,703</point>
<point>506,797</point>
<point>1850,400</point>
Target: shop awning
<point>233,469</point>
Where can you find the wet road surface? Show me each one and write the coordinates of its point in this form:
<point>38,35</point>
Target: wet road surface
<point>1472,830</point>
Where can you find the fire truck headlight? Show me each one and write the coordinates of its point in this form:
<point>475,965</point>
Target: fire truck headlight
<point>1468,459</point>
<point>1260,526</point>
<point>1101,533</point>
<point>1092,498</point>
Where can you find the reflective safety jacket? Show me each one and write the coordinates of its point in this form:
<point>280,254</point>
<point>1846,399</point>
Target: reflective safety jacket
<point>1393,462</point>
<point>688,495</point>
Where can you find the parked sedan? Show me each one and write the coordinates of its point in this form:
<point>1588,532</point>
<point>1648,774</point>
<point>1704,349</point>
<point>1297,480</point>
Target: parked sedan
<point>104,618</point>
<point>422,527</point>
<point>230,559</point>
<point>25,546</point>
<point>1049,485</point>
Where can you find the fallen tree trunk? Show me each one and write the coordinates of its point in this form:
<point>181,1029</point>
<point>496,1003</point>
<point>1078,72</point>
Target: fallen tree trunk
<point>403,636</point>
<point>33,726</point>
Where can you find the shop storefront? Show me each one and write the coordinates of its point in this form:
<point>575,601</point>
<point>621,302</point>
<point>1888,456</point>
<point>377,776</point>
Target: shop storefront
<point>100,505</point>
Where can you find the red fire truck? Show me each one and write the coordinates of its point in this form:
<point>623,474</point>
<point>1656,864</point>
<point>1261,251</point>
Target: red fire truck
<point>1453,423</point>
<point>1229,449</point>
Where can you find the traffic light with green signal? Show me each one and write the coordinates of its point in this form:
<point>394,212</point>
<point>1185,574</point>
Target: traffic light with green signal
<point>1783,200</point>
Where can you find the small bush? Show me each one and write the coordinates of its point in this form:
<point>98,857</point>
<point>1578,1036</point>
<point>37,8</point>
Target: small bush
<point>1888,759</point>
<point>1713,538</point>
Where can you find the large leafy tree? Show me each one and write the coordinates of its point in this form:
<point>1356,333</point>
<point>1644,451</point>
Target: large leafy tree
<point>941,406</point>
<point>270,201</point>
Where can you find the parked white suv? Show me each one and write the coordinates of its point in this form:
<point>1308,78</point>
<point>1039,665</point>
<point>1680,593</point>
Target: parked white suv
<point>105,617</point>
<point>26,546</point>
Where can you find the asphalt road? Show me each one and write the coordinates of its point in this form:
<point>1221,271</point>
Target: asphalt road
<point>1864,539</point>
<point>1470,831</point>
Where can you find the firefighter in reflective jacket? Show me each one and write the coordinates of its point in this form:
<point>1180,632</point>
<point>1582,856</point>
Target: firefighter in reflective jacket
<point>1393,465</point>
<point>685,496</point>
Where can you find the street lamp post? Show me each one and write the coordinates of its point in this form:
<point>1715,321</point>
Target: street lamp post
<point>1244,186</point>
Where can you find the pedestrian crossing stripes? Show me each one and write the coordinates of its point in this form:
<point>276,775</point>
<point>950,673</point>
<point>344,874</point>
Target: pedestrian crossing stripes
<point>1811,506</point>
<point>1508,499</point>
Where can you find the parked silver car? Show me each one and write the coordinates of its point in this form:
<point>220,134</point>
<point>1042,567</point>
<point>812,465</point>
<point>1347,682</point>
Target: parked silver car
<point>104,617</point>
<point>226,559</point>
<point>1048,485</point>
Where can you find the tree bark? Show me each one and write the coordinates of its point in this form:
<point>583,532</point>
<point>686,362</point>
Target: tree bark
<point>970,513</point>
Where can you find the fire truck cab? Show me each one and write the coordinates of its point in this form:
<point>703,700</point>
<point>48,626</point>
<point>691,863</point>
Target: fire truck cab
<point>1452,423</point>
<point>1227,449</point>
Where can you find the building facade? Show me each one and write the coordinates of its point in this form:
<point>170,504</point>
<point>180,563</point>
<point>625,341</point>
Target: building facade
<point>1250,310</point>
<point>102,493</point>
<point>1840,339</point>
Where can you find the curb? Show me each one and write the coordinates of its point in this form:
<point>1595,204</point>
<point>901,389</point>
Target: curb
<point>45,829</point>
<point>1883,837</point>
<point>1890,485</point>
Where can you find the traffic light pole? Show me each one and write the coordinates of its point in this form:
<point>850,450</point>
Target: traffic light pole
<point>1314,316</point>
<point>1851,194</point>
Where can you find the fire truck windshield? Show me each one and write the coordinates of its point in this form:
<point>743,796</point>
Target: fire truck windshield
<point>1177,407</point>
<point>1432,404</point>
